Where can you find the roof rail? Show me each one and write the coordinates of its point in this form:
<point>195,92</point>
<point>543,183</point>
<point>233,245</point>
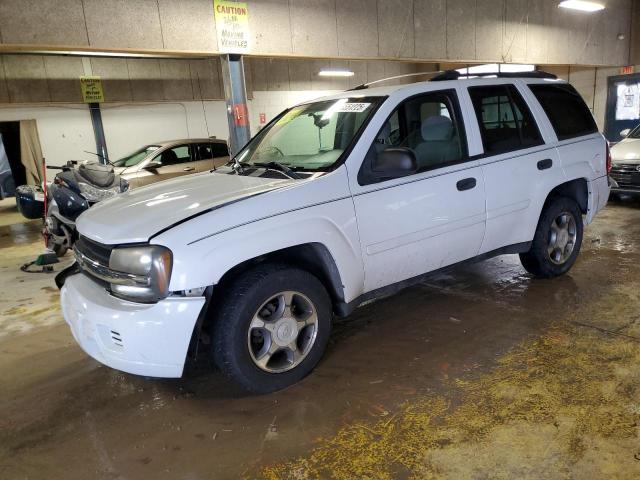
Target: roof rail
<point>416,74</point>
<point>455,75</point>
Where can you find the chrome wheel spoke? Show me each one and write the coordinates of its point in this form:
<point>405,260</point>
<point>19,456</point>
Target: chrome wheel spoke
<point>263,360</point>
<point>562,238</point>
<point>282,331</point>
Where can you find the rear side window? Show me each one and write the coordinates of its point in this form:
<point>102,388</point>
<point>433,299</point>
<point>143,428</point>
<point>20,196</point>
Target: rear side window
<point>505,121</point>
<point>567,112</point>
<point>220,150</point>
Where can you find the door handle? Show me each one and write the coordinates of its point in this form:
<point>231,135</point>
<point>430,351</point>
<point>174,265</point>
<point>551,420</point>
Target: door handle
<point>544,164</point>
<point>188,169</point>
<point>466,184</point>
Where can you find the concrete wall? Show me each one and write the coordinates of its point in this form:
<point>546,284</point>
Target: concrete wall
<point>534,31</point>
<point>52,79</point>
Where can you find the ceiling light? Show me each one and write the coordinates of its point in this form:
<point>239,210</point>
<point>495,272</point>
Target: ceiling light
<point>582,5</point>
<point>336,73</point>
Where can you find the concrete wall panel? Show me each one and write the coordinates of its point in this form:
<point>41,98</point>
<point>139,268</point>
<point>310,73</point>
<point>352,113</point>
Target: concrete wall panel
<point>26,78</point>
<point>146,79</point>
<point>615,23</point>
<point>115,78</point>
<point>461,29</point>
<point>176,80</point>
<point>270,26</point>
<point>514,46</point>
<point>123,24</point>
<point>357,23</point>
<point>299,74</point>
<point>396,28</point>
<point>63,78</point>
<point>36,22</point>
<point>188,25</point>
<point>430,28</point>
<point>4,91</point>
<point>259,73</point>
<point>537,33</point>
<point>593,52</point>
<point>206,79</point>
<point>277,74</point>
<point>489,34</point>
<point>314,27</point>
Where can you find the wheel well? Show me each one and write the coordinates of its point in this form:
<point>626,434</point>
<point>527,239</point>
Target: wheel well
<point>576,189</point>
<point>312,257</point>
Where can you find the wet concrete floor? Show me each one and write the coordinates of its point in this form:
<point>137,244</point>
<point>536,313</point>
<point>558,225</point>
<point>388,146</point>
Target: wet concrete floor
<point>412,386</point>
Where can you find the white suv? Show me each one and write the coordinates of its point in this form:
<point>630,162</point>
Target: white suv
<point>334,203</point>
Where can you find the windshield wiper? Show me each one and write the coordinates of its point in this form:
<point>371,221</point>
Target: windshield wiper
<point>281,167</point>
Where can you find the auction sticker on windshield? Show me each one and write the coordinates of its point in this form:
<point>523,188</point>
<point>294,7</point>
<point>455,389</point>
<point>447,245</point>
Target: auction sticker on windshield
<point>353,107</point>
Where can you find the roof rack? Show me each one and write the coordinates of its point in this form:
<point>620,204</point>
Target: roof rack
<point>441,76</point>
<point>455,75</point>
<point>416,74</point>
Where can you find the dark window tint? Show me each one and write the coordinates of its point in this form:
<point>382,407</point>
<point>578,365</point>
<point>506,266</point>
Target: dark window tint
<point>175,155</point>
<point>505,121</point>
<point>567,112</point>
<point>220,150</point>
<point>427,125</point>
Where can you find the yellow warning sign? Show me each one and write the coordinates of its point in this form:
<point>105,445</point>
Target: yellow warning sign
<point>232,26</point>
<point>91,89</point>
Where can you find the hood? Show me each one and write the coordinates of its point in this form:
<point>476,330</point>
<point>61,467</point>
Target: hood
<point>627,151</point>
<point>137,215</point>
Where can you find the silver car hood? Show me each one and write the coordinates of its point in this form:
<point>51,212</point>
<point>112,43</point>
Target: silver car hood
<point>627,151</point>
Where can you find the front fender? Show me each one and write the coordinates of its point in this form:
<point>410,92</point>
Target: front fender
<point>203,262</point>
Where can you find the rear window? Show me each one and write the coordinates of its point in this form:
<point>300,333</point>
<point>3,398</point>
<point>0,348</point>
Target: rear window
<point>567,112</point>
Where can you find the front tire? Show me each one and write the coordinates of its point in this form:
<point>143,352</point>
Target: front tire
<point>557,240</point>
<point>271,327</point>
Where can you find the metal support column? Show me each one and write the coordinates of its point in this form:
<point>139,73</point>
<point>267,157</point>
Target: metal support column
<point>98,132</point>
<point>235,94</point>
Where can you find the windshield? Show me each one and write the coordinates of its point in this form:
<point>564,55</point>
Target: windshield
<point>136,157</point>
<point>311,136</point>
<point>635,133</point>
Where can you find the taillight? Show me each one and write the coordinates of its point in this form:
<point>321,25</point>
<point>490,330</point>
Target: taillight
<point>609,161</point>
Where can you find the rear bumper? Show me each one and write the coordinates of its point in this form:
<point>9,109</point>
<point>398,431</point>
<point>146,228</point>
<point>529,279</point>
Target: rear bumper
<point>150,340</point>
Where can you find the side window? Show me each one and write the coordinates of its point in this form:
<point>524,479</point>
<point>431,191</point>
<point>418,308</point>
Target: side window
<point>569,115</point>
<point>429,126</point>
<point>505,121</point>
<point>203,151</point>
<point>174,156</point>
<point>220,150</point>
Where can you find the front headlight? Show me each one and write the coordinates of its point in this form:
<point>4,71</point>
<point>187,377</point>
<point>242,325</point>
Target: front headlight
<point>94,194</point>
<point>147,271</point>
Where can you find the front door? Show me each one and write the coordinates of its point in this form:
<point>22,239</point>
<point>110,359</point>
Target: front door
<point>434,218</point>
<point>169,163</point>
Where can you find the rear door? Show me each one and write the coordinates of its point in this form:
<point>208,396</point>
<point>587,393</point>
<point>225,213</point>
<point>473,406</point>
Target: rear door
<point>519,167</point>
<point>210,155</point>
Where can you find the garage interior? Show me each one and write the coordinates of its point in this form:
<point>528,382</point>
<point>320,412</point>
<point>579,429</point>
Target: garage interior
<point>480,371</point>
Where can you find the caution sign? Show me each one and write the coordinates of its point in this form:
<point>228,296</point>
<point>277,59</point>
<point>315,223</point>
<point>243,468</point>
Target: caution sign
<point>91,89</point>
<point>232,26</point>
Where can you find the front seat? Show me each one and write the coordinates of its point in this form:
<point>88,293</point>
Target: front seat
<point>169,157</point>
<point>438,143</point>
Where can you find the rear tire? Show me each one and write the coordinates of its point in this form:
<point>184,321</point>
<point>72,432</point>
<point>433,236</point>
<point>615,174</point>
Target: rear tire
<point>271,327</point>
<point>557,240</point>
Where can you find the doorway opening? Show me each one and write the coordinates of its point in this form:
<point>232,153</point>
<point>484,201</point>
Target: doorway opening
<point>12,171</point>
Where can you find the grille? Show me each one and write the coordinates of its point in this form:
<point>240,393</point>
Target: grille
<point>95,251</point>
<point>627,175</point>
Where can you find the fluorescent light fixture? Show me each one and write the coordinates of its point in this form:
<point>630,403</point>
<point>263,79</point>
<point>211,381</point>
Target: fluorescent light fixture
<point>581,5</point>
<point>335,73</point>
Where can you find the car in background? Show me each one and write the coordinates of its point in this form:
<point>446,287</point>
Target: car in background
<point>625,157</point>
<point>163,160</point>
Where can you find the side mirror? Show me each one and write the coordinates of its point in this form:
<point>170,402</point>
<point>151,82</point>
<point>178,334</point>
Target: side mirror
<point>624,133</point>
<point>395,162</point>
<point>152,165</point>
